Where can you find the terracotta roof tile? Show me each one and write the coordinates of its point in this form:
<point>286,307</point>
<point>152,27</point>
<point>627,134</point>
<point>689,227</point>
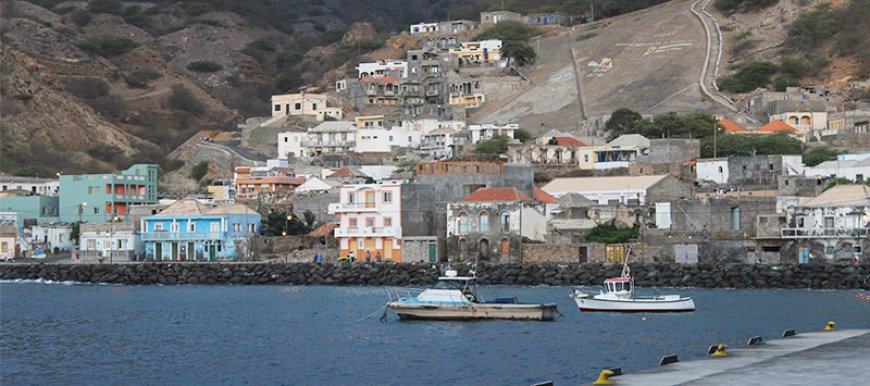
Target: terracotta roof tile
<point>778,126</point>
<point>731,127</point>
<point>323,230</point>
<point>497,194</point>
<point>569,141</point>
<point>542,196</point>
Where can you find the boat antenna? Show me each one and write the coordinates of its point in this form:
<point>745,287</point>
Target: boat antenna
<point>626,271</point>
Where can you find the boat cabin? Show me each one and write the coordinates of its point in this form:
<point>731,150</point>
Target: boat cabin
<point>618,285</point>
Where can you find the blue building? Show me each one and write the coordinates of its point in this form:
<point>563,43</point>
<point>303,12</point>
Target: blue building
<point>98,198</point>
<point>191,231</point>
<point>30,210</point>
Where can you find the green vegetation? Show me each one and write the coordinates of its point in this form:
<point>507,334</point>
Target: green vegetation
<point>784,81</point>
<point>730,6</point>
<point>183,99</point>
<point>813,29</point>
<point>107,45</point>
<point>141,78</point>
<point>736,144</point>
<point>748,77</point>
<point>199,170</point>
<point>522,135</point>
<point>86,88</point>
<point>813,32</point>
<point>514,37</point>
<point>818,155</point>
<point>494,145</point>
<point>204,66</point>
<point>275,223</point>
<point>80,17</point>
<point>609,233</point>
<point>671,125</point>
<point>105,152</point>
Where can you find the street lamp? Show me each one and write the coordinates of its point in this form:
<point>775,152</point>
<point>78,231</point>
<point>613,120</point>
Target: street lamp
<point>287,224</point>
<point>112,239</point>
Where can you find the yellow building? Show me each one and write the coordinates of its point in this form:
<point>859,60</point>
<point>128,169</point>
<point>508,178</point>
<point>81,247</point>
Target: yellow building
<point>478,53</point>
<point>304,104</point>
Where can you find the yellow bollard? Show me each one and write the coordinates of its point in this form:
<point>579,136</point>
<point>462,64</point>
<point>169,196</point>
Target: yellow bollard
<point>830,326</point>
<point>720,351</point>
<point>603,378</point>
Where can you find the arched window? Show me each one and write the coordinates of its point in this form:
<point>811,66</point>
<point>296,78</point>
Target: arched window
<point>462,224</point>
<point>505,221</point>
<point>805,120</point>
<point>483,222</point>
<point>793,120</point>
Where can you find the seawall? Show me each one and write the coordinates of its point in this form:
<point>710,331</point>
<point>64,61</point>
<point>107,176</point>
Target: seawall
<point>817,276</point>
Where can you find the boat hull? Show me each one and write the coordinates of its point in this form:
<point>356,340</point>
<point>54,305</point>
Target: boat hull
<point>591,304</point>
<point>475,311</point>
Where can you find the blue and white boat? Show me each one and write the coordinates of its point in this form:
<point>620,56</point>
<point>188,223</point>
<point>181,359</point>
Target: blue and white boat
<point>455,298</point>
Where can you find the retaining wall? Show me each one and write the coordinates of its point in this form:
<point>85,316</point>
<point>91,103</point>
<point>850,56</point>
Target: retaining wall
<point>702,275</point>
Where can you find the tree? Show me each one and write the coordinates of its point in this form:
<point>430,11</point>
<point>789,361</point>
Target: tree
<point>609,233</point>
<point>183,99</point>
<point>522,135</point>
<point>199,170</point>
<point>749,76</point>
<point>818,155</point>
<point>276,223</point>
<point>520,54</point>
<point>309,218</point>
<point>621,121</point>
<point>494,145</point>
<point>737,144</point>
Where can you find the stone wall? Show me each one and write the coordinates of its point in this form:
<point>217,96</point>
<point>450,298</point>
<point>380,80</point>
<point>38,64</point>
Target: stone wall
<point>660,275</point>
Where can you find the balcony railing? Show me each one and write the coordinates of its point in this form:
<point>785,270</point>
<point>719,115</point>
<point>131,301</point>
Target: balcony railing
<point>369,232</point>
<point>158,236</point>
<point>353,207</point>
<point>336,143</point>
<point>824,233</point>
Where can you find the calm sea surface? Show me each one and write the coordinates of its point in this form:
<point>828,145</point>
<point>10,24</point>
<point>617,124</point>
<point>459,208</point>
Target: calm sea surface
<point>79,334</point>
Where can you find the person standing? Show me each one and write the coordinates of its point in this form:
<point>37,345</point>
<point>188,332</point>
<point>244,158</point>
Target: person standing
<point>368,256</point>
<point>78,258</point>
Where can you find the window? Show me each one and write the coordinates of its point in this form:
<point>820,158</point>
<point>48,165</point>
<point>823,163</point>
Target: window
<point>483,222</point>
<point>856,248</point>
<point>314,106</point>
<point>859,178</point>
<point>351,222</point>
<point>277,107</point>
<point>92,245</point>
<point>214,226</point>
<point>351,198</point>
<point>191,227</point>
<point>370,222</point>
<point>388,197</point>
<point>505,222</point>
<point>298,106</point>
<point>285,139</point>
<point>173,227</point>
<point>462,224</point>
<point>829,250</point>
<point>829,222</point>
<point>388,222</point>
<point>391,138</point>
<point>96,210</point>
<point>158,227</point>
<point>585,157</point>
<point>720,169</point>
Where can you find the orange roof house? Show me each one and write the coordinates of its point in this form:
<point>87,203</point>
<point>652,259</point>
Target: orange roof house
<point>778,126</point>
<point>542,196</point>
<point>568,141</point>
<point>731,127</point>
<point>497,194</point>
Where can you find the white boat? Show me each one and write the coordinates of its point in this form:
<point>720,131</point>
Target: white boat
<point>618,296</point>
<point>455,298</point>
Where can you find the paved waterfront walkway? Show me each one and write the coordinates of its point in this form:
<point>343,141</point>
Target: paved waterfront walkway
<point>817,358</point>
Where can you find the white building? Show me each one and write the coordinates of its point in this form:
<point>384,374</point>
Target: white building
<point>330,138</point>
<point>852,170</point>
<point>383,140</point>
<point>628,190</point>
<point>391,68</point>
<point>35,185</point>
<point>314,105</point>
<point>290,144</point>
<point>424,29</point>
<point>429,125</point>
<point>370,221</point>
<point>109,241</point>
<point>712,169</point>
<point>317,184</point>
<point>442,143</point>
<point>488,131</point>
<point>51,237</point>
<point>8,237</point>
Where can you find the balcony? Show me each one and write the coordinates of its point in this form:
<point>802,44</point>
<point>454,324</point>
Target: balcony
<point>166,236</point>
<point>353,207</point>
<point>334,143</point>
<point>395,232</point>
<point>825,233</point>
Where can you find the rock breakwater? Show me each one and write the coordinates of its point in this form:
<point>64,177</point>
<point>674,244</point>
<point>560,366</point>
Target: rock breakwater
<point>648,275</point>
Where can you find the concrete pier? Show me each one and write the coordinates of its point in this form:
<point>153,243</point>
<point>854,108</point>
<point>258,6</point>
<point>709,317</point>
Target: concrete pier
<point>816,358</point>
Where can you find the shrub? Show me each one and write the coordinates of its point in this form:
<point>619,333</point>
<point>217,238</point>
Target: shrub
<point>735,144</point>
<point>748,77</point>
<point>812,29</point>
<point>728,6</point>
<point>141,78</point>
<point>508,31</point>
<point>105,152</point>
<point>204,66</point>
<point>199,171</point>
<point>609,233</point>
<point>784,81</point>
<point>87,88</point>
<point>520,54</point>
<point>113,7</point>
<point>107,45</point>
<point>183,99</point>
<point>80,17</point>
<point>495,145</point>
<point>819,155</point>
